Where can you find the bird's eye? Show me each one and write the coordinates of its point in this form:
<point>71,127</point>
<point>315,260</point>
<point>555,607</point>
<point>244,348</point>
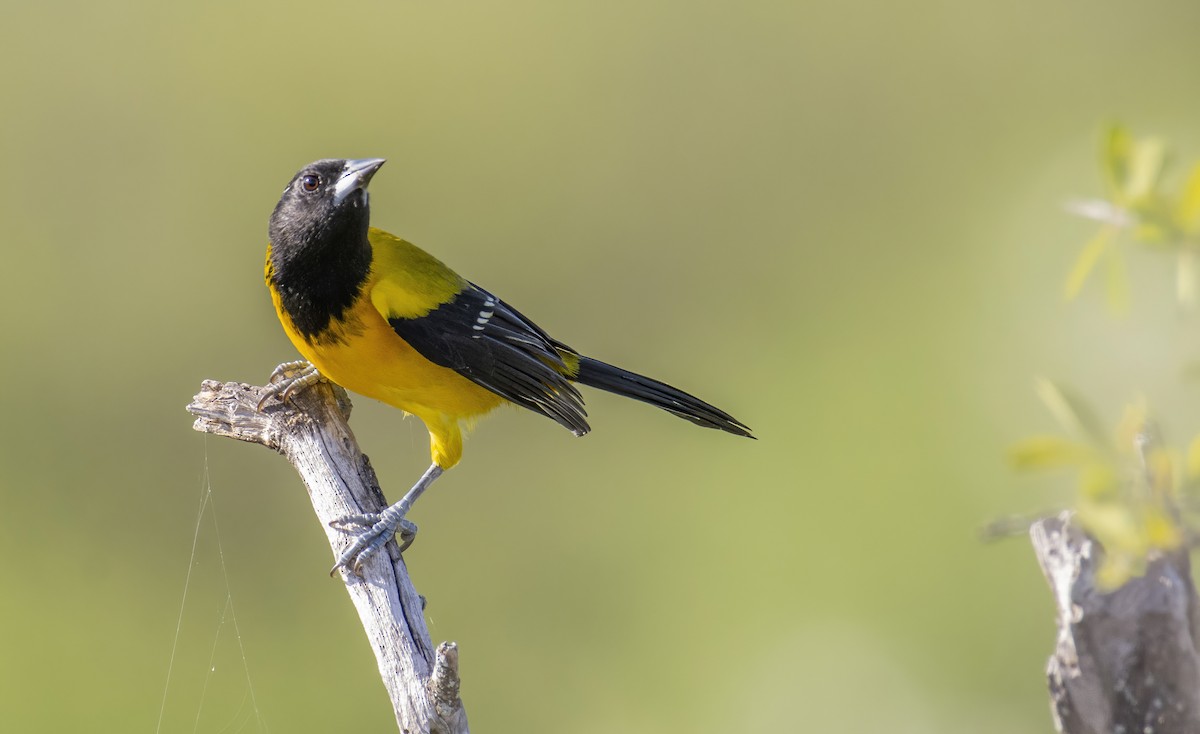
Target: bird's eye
<point>310,182</point>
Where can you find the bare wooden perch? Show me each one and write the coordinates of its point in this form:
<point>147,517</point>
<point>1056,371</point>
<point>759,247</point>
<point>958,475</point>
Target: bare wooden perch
<point>1126,660</point>
<point>312,433</point>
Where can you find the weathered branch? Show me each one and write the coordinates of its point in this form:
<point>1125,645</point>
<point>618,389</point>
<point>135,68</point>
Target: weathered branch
<point>1126,660</point>
<point>312,433</point>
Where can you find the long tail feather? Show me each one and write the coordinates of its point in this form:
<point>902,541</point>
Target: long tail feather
<point>603,376</point>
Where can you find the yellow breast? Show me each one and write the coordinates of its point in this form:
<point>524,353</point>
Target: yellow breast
<point>364,355</point>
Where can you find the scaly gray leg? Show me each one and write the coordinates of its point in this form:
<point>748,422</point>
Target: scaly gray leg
<point>376,528</point>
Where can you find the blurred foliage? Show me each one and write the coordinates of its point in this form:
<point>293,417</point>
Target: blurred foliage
<point>1141,207</point>
<point>1130,485</point>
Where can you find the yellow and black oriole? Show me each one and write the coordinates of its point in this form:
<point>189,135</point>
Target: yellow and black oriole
<point>383,318</point>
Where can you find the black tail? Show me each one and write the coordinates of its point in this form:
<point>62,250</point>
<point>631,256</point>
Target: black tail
<point>659,394</point>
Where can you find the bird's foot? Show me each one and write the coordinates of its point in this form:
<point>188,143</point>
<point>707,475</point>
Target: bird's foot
<point>370,532</point>
<point>288,379</point>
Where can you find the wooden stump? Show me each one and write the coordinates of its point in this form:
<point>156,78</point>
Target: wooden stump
<point>311,432</point>
<point>1126,660</point>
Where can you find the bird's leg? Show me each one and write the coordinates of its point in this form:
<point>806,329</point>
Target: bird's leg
<point>288,379</point>
<point>373,529</point>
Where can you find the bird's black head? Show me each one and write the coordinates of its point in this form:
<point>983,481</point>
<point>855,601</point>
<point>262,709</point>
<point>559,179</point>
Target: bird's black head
<point>320,256</point>
<point>325,205</point>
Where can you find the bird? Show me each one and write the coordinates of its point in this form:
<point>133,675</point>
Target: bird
<point>380,317</point>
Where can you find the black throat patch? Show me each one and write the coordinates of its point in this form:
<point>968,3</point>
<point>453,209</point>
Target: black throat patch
<point>320,255</point>
<point>316,291</point>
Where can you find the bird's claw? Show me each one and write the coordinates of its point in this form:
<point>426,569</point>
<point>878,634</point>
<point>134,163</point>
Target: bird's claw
<point>371,531</point>
<point>288,379</point>
<point>283,368</point>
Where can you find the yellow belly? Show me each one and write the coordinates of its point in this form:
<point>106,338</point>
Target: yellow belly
<point>370,359</point>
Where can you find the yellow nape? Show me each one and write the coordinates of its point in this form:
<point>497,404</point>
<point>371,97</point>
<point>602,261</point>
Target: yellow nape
<point>406,281</point>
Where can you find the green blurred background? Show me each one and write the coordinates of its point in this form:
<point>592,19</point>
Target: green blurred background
<point>842,222</point>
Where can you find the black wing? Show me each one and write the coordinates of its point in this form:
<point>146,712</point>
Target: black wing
<point>485,340</point>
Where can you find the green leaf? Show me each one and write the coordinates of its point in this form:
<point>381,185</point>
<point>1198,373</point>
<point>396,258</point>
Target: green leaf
<point>1187,211</point>
<point>1145,164</point>
<point>1193,458</point>
<point>1072,413</point>
<point>1155,234</point>
<point>1086,262</point>
<point>1155,223</point>
<point>1116,146</point>
<point>1114,526</point>
<point>1050,452</point>
<point>1161,529</point>
<point>1116,284</point>
<point>1098,481</point>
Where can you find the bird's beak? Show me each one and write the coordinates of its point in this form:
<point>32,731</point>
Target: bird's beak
<point>355,176</point>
